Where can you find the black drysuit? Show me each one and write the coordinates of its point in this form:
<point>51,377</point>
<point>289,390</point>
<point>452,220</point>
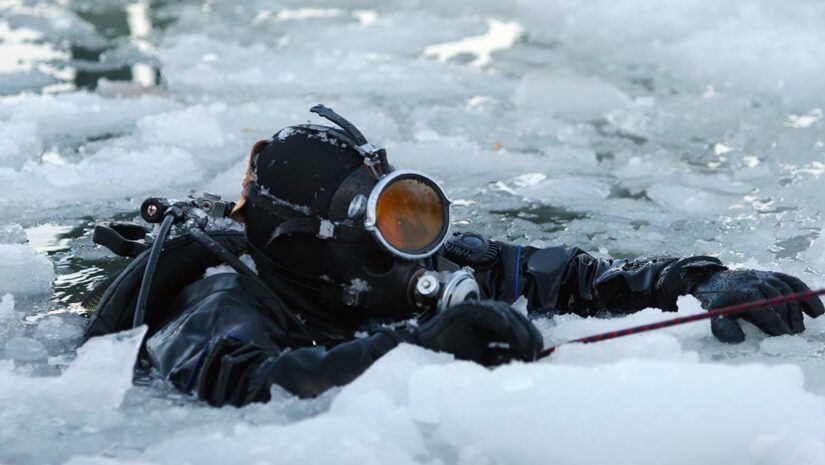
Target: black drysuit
<point>217,336</point>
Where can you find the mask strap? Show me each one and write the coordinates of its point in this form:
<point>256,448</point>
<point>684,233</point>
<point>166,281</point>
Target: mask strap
<point>327,113</point>
<point>375,158</point>
<point>275,206</point>
<point>319,227</point>
<point>303,226</point>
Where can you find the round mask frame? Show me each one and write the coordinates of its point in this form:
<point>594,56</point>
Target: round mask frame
<point>371,215</point>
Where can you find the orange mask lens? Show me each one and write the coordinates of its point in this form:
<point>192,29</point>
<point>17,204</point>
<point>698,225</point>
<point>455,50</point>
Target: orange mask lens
<point>410,215</point>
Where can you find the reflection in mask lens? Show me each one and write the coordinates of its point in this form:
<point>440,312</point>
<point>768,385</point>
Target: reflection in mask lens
<point>410,215</point>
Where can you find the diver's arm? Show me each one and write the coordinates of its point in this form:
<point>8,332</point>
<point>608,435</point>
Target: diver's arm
<point>238,372</point>
<point>230,369</point>
<point>222,347</point>
<point>570,280</point>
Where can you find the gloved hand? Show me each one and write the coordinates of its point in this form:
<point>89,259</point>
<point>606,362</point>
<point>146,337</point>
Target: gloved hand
<point>733,287</point>
<point>486,332</point>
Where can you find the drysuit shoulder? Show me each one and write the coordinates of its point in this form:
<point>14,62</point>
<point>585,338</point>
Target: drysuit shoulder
<point>182,262</point>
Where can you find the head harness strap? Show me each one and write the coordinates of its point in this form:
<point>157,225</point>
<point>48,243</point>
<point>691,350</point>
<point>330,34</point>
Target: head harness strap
<point>327,113</point>
<point>374,157</point>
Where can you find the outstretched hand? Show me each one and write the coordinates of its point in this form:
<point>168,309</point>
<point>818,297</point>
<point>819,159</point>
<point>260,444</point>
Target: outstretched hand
<point>733,287</point>
<point>486,332</point>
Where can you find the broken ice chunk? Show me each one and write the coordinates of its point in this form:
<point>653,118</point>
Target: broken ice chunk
<point>25,350</point>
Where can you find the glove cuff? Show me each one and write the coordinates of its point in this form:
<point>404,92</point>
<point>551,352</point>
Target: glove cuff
<point>681,277</point>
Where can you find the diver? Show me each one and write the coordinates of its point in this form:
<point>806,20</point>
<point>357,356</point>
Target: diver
<point>344,257</point>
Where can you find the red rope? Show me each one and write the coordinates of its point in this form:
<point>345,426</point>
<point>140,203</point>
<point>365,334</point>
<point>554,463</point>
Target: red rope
<point>720,312</point>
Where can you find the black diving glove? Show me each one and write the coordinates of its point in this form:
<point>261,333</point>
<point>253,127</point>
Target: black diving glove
<point>733,287</point>
<point>486,332</point>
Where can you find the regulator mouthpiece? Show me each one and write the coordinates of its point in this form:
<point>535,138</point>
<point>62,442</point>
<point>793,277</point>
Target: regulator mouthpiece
<point>442,290</point>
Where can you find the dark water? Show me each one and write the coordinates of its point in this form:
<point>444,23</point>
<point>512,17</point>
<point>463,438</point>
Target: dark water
<point>79,265</point>
<point>119,49</point>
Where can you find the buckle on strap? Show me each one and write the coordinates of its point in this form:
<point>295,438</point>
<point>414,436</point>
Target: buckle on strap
<point>322,228</point>
<point>326,229</point>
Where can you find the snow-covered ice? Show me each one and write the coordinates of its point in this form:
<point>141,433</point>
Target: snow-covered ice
<point>24,271</point>
<point>623,127</point>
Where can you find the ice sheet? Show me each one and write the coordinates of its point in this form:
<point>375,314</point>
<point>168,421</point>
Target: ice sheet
<point>622,127</point>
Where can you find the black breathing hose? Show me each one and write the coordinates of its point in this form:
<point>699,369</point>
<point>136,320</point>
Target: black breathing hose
<point>151,265</point>
<point>227,257</point>
<point>152,210</point>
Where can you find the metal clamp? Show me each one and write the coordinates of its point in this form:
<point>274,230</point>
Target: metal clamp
<point>326,229</point>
